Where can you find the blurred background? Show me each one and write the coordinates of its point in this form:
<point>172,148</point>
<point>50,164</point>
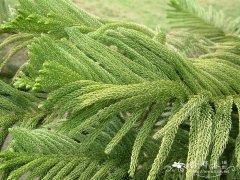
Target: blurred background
<point>147,12</point>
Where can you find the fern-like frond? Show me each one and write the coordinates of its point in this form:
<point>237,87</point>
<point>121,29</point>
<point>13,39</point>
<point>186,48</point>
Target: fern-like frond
<point>117,100</point>
<point>49,16</point>
<point>189,15</point>
<point>200,140</point>
<point>17,107</point>
<point>54,156</point>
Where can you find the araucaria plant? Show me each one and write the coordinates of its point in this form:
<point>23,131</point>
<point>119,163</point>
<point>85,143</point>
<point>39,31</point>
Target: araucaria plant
<point>106,99</point>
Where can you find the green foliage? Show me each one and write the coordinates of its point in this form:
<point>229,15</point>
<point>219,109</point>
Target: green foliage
<point>17,107</point>
<point>103,99</point>
<point>209,23</point>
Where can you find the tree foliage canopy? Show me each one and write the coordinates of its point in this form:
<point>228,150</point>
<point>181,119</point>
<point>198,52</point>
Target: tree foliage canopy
<point>104,99</point>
